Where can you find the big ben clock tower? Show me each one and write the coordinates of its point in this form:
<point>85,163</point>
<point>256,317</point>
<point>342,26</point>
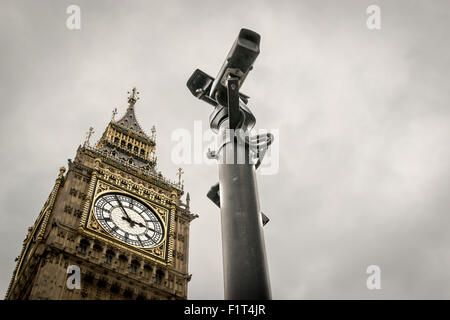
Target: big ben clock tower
<point>113,218</point>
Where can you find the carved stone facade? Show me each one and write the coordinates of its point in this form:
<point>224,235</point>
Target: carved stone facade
<point>66,231</point>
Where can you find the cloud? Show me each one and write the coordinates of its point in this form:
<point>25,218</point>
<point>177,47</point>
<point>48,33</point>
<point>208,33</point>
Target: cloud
<point>363,119</point>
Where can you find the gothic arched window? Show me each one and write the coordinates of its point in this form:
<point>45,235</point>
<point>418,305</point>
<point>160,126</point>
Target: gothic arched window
<point>109,256</point>
<point>159,276</point>
<point>134,266</point>
<point>123,260</point>
<point>97,247</point>
<point>82,247</point>
<point>147,270</point>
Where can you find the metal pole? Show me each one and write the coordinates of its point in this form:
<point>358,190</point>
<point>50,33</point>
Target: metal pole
<point>245,270</point>
<point>246,274</point>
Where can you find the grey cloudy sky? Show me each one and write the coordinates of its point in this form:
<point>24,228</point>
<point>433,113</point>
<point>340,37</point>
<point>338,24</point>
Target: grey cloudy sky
<point>363,117</point>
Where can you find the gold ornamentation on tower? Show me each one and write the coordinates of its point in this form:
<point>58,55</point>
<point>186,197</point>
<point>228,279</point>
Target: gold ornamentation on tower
<point>179,174</point>
<point>114,114</point>
<point>88,136</point>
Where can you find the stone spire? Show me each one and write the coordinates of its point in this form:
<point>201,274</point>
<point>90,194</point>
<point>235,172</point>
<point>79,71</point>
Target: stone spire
<point>129,121</point>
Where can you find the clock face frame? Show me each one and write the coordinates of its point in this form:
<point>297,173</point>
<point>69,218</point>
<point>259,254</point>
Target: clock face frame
<point>128,219</point>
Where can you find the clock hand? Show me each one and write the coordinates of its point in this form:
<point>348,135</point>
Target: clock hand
<point>134,222</point>
<point>128,220</point>
<point>131,222</point>
<point>140,224</point>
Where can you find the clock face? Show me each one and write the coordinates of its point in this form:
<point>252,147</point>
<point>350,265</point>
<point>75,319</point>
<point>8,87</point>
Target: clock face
<point>129,220</point>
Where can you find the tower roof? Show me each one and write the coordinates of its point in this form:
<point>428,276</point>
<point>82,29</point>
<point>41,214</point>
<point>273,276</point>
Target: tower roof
<point>126,146</point>
<point>129,121</point>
